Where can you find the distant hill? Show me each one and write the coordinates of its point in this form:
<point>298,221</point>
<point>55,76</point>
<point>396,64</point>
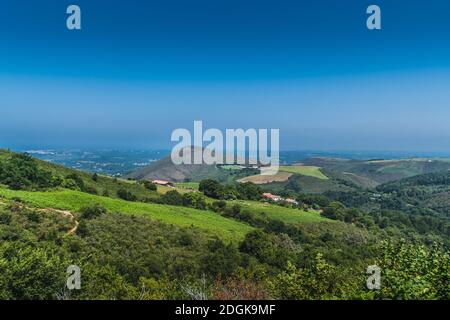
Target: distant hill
<point>165,169</point>
<point>370,173</point>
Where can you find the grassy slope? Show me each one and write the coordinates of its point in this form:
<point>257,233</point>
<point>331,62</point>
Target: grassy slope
<point>381,171</point>
<point>191,186</point>
<point>104,183</point>
<point>311,171</point>
<point>287,215</point>
<point>262,179</point>
<point>273,211</point>
<point>71,200</point>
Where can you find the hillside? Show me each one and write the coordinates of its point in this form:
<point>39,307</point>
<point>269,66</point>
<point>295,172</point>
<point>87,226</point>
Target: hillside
<point>133,241</point>
<point>429,191</point>
<point>380,171</point>
<point>94,184</point>
<point>165,169</point>
<point>211,222</point>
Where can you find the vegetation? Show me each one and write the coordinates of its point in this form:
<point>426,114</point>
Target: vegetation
<point>75,200</point>
<point>221,242</point>
<point>311,171</point>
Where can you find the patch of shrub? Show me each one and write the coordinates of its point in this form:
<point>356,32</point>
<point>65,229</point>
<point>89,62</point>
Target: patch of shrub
<point>126,195</point>
<point>92,212</point>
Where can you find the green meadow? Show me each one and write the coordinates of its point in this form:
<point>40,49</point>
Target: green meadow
<point>226,229</point>
<point>287,215</point>
<point>187,185</point>
<point>310,171</point>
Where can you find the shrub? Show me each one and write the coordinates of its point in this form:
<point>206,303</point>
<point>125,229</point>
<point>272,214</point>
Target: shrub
<point>173,197</point>
<point>149,185</point>
<point>92,212</point>
<point>21,171</point>
<point>126,195</point>
<point>211,188</point>
<point>5,217</point>
<point>219,206</point>
<point>91,190</point>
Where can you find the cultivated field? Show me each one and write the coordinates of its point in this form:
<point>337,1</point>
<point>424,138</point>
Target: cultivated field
<point>262,179</point>
<point>311,171</point>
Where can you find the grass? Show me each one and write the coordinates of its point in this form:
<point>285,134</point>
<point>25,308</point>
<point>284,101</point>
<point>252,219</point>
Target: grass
<point>104,184</point>
<point>287,215</point>
<point>187,185</point>
<point>165,189</point>
<point>262,179</point>
<point>226,229</point>
<point>310,171</point>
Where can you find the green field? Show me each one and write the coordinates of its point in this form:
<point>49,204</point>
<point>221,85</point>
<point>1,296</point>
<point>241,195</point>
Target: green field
<point>310,171</point>
<point>263,179</point>
<point>227,229</point>
<point>187,185</point>
<point>287,215</point>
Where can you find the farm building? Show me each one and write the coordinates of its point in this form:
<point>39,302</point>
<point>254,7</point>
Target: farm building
<point>273,197</point>
<point>163,183</point>
<point>291,201</point>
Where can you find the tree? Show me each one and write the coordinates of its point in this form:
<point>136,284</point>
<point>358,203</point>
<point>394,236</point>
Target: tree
<point>222,260</point>
<point>249,191</point>
<point>194,200</point>
<point>29,272</point>
<point>20,171</point>
<point>211,188</point>
<point>149,185</point>
<point>320,281</point>
<point>173,197</point>
<point>92,212</point>
<point>126,195</point>
<point>410,271</point>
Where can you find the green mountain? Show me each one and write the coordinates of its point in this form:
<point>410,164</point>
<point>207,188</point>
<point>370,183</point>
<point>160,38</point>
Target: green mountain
<point>373,172</point>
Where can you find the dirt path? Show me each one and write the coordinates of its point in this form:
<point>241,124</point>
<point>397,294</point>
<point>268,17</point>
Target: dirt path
<point>51,210</point>
<point>66,214</point>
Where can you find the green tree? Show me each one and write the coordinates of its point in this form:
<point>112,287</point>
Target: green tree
<point>410,271</point>
<point>211,188</point>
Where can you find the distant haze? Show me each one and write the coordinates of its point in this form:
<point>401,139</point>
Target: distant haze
<point>138,70</point>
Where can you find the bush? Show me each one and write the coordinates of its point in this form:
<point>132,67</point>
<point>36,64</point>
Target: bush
<point>173,197</point>
<point>5,217</point>
<point>222,260</point>
<point>149,185</point>
<point>91,190</point>
<point>219,206</point>
<point>194,200</point>
<point>211,188</point>
<point>21,171</point>
<point>92,212</point>
<point>126,195</point>
<point>79,183</point>
<point>249,191</point>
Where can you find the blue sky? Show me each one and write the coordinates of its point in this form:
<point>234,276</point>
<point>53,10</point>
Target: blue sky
<point>139,69</point>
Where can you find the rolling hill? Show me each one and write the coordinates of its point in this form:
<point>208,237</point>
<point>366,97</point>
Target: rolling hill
<point>165,169</point>
<point>374,172</point>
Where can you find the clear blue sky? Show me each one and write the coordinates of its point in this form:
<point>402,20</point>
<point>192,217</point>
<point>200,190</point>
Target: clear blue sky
<point>139,69</point>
